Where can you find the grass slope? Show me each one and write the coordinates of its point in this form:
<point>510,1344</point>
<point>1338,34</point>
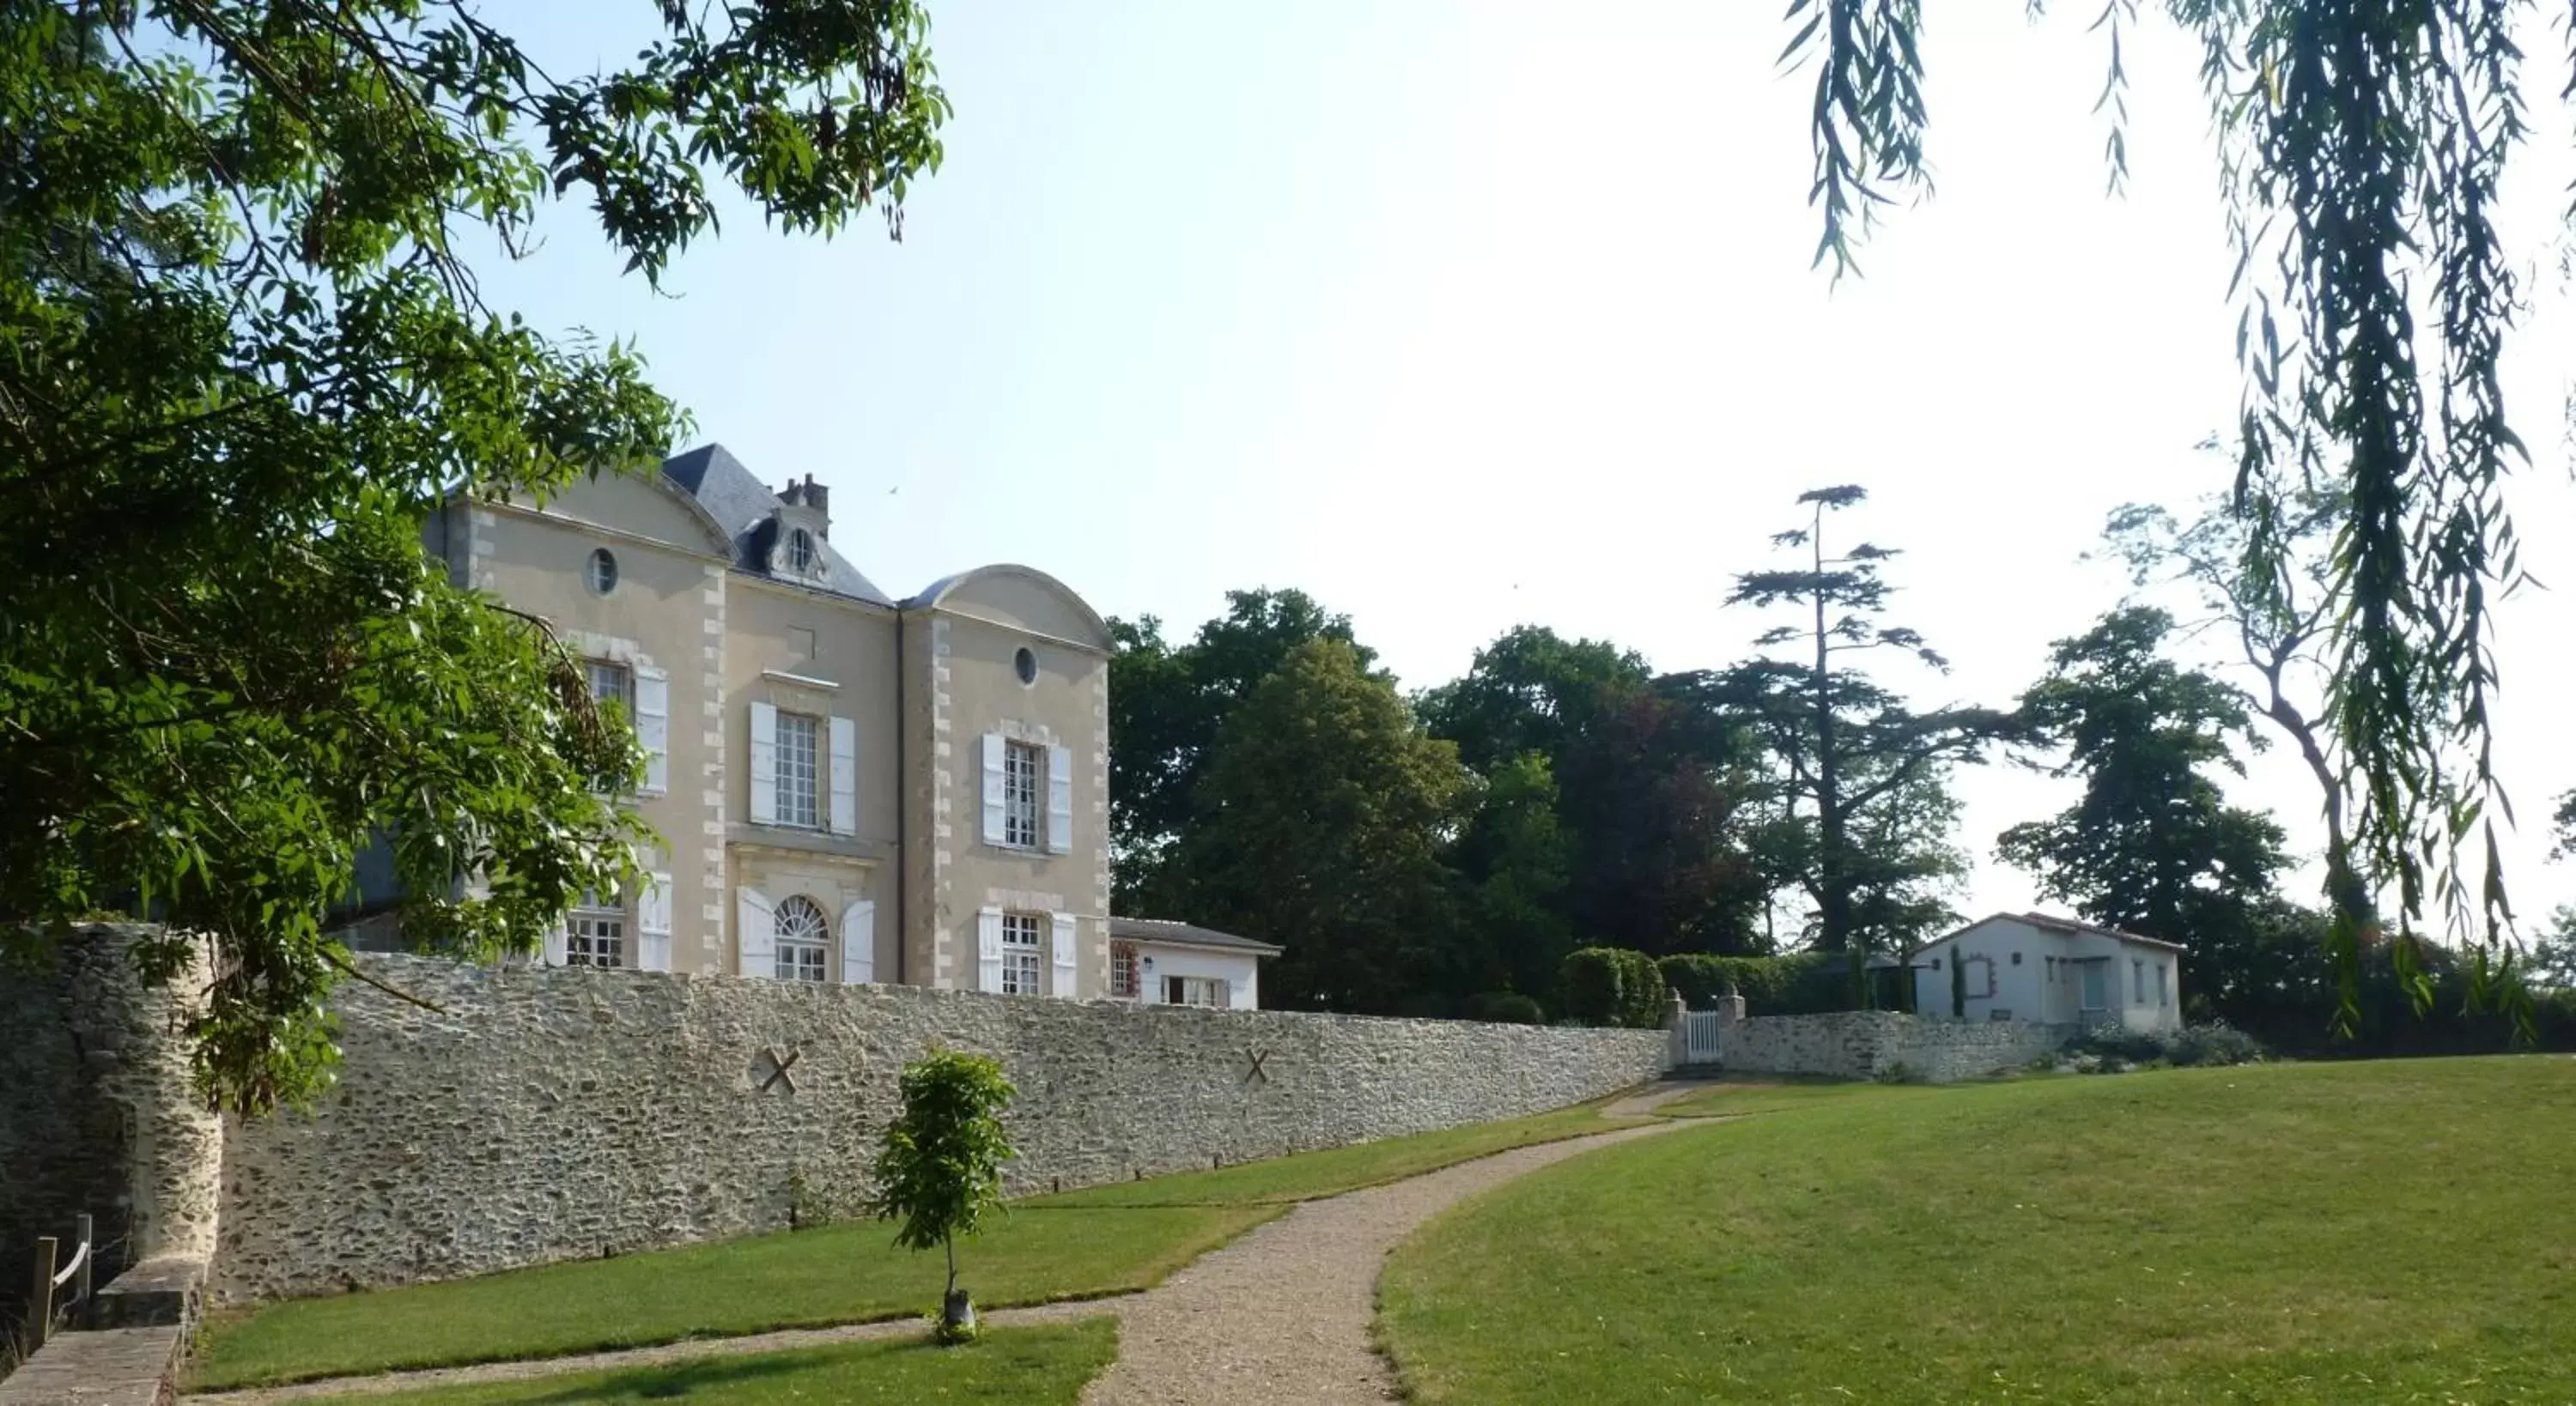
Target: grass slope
<point>2345,1233</point>
<point>1305,1176</point>
<point>1035,1366</point>
<point>1081,1244</point>
<point>1770,1093</point>
<point>836,1274</point>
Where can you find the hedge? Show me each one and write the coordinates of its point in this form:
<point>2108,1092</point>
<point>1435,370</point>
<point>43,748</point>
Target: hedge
<point>1802,983</point>
<point>1614,986</point>
<point>1507,1007</point>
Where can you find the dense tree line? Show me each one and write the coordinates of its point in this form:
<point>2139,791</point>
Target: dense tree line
<point>1443,852</point>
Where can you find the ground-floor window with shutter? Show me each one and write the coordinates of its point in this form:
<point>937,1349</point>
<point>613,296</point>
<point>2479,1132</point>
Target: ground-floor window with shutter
<point>595,936</point>
<point>1022,964</point>
<point>1122,969</point>
<point>1195,991</point>
<point>804,950</point>
<point>611,683</point>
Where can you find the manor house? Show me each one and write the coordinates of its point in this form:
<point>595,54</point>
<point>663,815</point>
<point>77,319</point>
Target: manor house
<point>848,787</point>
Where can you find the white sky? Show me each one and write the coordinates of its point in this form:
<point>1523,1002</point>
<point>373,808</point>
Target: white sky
<point>1464,315</point>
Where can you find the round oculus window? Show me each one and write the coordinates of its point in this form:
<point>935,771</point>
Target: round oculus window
<point>1025,664</point>
<point>603,570</point>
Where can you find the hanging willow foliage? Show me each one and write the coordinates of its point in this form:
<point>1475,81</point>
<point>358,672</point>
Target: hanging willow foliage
<point>2360,145</point>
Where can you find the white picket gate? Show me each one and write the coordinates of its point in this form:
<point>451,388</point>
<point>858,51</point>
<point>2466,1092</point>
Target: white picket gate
<point>1699,1037</point>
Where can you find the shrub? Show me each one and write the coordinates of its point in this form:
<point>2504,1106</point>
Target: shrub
<point>940,1171</point>
<point>1614,986</point>
<point>2213,1044</point>
<point>1507,1008</point>
<point>1801,983</point>
<point>2191,1045</point>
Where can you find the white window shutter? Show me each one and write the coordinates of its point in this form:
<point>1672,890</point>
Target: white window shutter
<point>756,919</point>
<point>653,728</point>
<point>1059,836</point>
<point>653,923</point>
<point>1067,953</point>
<point>994,752</point>
<point>552,949</point>
<point>859,943</point>
<point>988,949</point>
<point>764,765</point>
<point>844,763</point>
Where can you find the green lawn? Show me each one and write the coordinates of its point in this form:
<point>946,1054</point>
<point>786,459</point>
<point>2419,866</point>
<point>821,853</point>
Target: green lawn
<point>1308,1175</point>
<point>2394,1231</point>
<point>1035,1366</point>
<point>1769,1093</point>
<point>1081,1244</point>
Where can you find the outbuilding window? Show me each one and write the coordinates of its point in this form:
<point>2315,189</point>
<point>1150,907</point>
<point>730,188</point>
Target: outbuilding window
<point>1195,991</point>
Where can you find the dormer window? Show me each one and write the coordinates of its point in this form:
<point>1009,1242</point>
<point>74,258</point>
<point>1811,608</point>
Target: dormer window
<point>797,553</point>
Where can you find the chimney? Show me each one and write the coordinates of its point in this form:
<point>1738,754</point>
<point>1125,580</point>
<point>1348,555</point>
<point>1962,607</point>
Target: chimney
<point>811,495</point>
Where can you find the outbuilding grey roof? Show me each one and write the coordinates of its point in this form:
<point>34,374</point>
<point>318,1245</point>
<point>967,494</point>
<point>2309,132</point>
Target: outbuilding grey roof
<point>1182,934</point>
<point>744,507</point>
<point>2050,922</point>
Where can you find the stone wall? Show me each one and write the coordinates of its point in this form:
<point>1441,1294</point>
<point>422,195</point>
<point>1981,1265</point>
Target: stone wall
<point>542,1114</point>
<point>96,1109</point>
<point>1872,1044</point>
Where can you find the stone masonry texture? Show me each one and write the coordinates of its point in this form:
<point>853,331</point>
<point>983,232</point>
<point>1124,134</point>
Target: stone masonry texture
<point>544,1114</point>
<point>97,1112</point>
<point>1874,1044</point>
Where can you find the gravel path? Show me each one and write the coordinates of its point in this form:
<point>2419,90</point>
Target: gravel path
<point>1283,1314</point>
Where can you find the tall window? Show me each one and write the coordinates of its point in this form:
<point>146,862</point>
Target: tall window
<point>2138,981</point>
<point>595,935</point>
<point>612,683</point>
<point>797,772</point>
<point>1122,969</point>
<point>799,551</point>
<point>1021,966</point>
<point>804,939</point>
<point>2164,992</point>
<point>1020,802</point>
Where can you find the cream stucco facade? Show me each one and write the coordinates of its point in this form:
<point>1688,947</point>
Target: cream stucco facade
<point>848,786</point>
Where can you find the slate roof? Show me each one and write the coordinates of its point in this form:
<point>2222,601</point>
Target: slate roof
<point>1186,935</point>
<point>2050,922</point>
<point>740,503</point>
